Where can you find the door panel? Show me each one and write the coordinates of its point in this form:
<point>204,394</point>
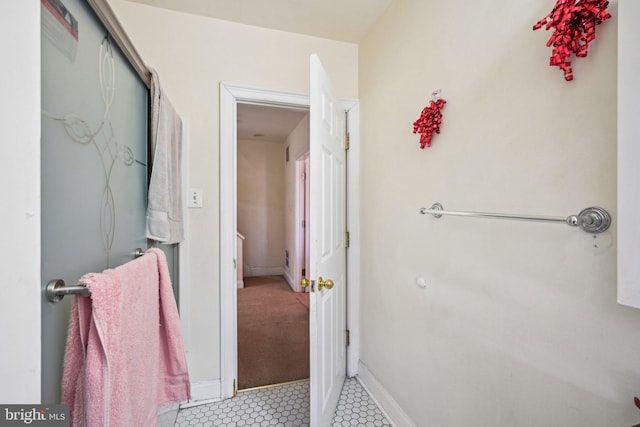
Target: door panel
<point>94,155</point>
<point>328,252</point>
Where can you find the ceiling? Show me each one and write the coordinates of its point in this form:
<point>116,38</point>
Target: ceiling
<point>344,20</point>
<point>267,123</point>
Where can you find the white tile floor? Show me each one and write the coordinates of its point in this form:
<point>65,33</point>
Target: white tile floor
<point>357,408</point>
<point>286,405</point>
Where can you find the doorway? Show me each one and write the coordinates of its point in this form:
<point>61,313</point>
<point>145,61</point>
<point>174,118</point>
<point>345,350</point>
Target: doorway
<point>272,313</point>
<point>230,96</point>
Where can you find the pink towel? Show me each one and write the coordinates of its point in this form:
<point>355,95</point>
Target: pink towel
<point>124,357</point>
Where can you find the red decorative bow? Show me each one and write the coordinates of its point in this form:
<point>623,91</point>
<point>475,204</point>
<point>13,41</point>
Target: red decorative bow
<point>575,23</point>
<point>429,121</point>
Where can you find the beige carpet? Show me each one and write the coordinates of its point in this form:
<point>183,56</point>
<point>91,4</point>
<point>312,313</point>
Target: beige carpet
<point>273,332</point>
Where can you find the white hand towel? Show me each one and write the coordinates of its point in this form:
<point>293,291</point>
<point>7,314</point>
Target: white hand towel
<point>164,205</point>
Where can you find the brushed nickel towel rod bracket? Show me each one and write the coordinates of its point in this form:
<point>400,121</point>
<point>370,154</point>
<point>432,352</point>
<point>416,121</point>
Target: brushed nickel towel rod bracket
<point>56,290</point>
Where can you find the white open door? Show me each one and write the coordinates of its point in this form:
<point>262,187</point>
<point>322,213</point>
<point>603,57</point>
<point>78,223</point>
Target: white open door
<point>327,246</point>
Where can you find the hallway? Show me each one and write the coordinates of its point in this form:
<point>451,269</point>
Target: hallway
<point>285,405</point>
<point>273,333</point>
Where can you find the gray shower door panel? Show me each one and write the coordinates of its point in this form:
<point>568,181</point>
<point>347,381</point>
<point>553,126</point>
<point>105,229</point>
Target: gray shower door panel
<point>94,155</point>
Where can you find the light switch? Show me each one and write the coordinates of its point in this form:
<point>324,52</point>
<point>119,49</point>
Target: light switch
<point>195,198</point>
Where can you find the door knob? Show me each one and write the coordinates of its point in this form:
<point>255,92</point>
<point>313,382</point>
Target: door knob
<point>324,283</point>
<point>304,282</point>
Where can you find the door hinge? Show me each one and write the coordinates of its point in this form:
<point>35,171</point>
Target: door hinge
<point>304,272</point>
<point>348,338</point>
<point>347,141</point>
<point>235,388</point>
<point>235,264</point>
<point>347,239</point>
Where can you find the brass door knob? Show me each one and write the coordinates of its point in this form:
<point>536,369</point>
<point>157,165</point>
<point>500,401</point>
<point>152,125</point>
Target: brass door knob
<point>324,283</point>
<point>305,282</point>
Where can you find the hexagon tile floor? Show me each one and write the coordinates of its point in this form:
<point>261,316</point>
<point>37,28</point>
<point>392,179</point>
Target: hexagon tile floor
<point>357,408</point>
<point>286,405</point>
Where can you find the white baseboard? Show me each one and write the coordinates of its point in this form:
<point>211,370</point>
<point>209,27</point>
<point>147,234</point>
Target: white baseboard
<point>289,279</point>
<point>203,392</point>
<point>394,413</point>
<point>263,271</point>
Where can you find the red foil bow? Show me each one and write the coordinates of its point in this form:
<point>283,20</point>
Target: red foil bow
<point>429,121</point>
<point>574,23</point>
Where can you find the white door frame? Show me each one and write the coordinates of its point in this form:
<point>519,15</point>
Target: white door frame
<point>301,215</point>
<point>230,96</point>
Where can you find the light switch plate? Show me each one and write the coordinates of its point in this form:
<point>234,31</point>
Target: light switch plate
<point>195,198</point>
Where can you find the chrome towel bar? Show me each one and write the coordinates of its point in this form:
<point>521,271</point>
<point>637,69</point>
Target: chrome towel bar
<point>591,219</point>
<point>56,289</point>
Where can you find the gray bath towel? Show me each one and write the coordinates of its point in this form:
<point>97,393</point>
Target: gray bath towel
<point>164,205</point>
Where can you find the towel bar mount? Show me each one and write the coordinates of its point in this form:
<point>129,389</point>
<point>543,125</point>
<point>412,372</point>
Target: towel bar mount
<point>56,290</point>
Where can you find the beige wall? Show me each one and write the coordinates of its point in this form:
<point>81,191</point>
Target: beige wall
<point>192,55</point>
<point>261,205</point>
<point>518,325</point>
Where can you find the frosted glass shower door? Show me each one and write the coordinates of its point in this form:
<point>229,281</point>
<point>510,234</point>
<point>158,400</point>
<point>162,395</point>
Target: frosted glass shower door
<point>94,155</point>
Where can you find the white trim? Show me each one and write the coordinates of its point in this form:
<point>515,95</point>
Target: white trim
<point>287,277</point>
<point>202,393</point>
<point>263,271</point>
<point>230,96</point>
<point>258,96</point>
<point>353,227</point>
<point>394,413</point>
<point>228,241</point>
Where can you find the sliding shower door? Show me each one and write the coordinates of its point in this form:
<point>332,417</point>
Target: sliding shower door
<point>94,155</point>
